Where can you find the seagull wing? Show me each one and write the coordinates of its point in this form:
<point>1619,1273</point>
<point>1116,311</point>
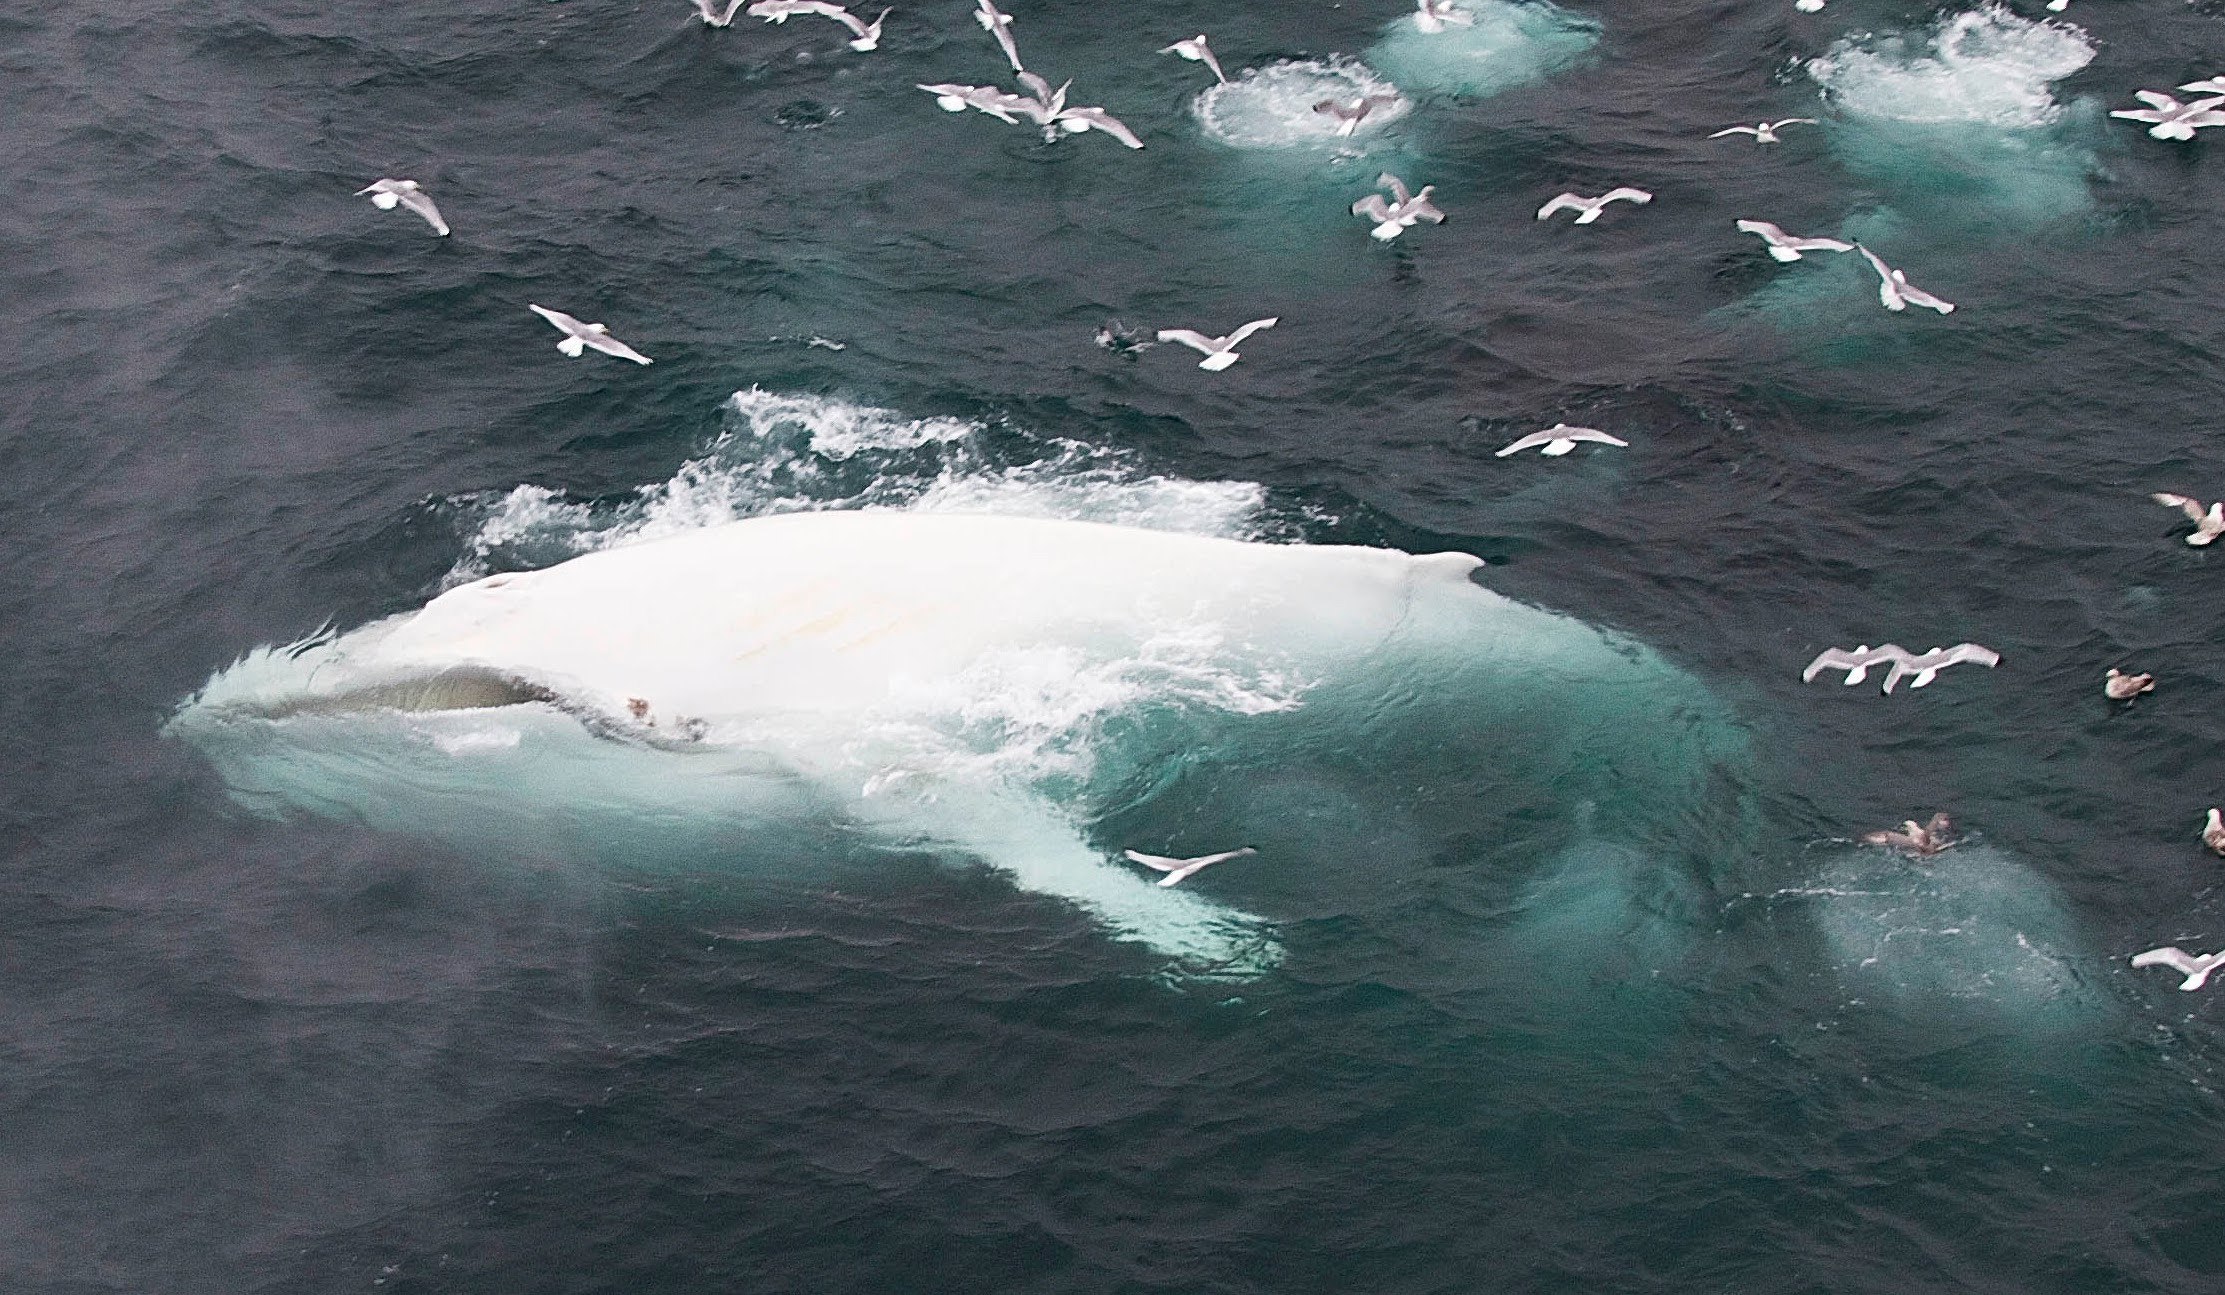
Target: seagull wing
<point>1737,130</point>
<point>1822,245</point>
<point>1834,659</point>
<point>1627,194</point>
<point>1770,234</point>
<point>1159,862</point>
<point>1523,443</point>
<point>1794,121</point>
<point>1419,207</point>
<point>2214,85</point>
<point>1970,654</point>
<point>557,317</point>
<point>1373,207</point>
<point>2191,507</point>
<point>1592,434</point>
<point>608,345</point>
<point>2139,114</point>
<point>1918,297</point>
<point>416,200</point>
<point>1191,338</point>
<point>1099,119</point>
<point>1237,338</point>
<point>1211,61</point>
<point>1566,202</point>
<point>999,25</point>
<point>1397,187</point>
<point>2157,99</point>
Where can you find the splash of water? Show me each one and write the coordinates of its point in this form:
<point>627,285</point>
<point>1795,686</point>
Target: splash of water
<point>1506,45</point>
<point>1272,107</point>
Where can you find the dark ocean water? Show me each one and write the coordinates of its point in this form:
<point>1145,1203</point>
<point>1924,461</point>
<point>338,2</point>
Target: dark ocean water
<point>314,1052</point>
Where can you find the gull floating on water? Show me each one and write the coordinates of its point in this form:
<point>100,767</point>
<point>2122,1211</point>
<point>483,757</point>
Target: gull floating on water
<point>1588,209</point>
<point>1925,666</point>
<point>2119,686</point>
<point>1765,132</point>
<point>1788,247</point>
<point>2196,967</point>
<point>2213,831</point>
<point>1177,869</point>
<point>1559,439</point>
<point>578,337</point>
<point>1894,289</point>
<point>389,194</point>
<point>714,16</point>
<point>1398,215</point>
<point>1920,840</point>
<point>1219,352</point>
<point>2209,523</point>
<point>2171,119</point>
<point>1434,16</point>
<point>1197,51</point>
<point>1350,115</point>
<point>999,24</point>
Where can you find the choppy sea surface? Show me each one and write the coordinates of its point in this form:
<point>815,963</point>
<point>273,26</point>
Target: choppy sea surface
<point>250,1050</point>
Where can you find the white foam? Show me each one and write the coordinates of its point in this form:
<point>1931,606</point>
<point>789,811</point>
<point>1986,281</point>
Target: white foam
<point>1506,45</point>
<point>1985,67</point>
<point>1272,106</point>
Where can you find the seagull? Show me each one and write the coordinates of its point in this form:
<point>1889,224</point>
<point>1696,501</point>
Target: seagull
<point>714,17</point>
<point>1048,109</point>
<point>1398,215</point>
<point>868,36</point>
<point>1808,6</point>
<point>1927,665</point>
<point>1177,869</point>
<point>1197,51</point>
<point>989,99</point>
<point>1559,439</point>
<point>2213,832</point>
<point>1894,289</point>
<point>1434,16</point>
<point>1921,840</point>
<point>1350,115</point>
<point>1788,247</point>
<point>578,337</point>
<point>2119,686</point>
<point>2213,85</point>
<point>1765,132</point>
<point>1589,208</point>
<point>2209,523</point>
<point>386,195</point>
<point>2195,967</point>
<point>1076,120</point>
<point>1219,352</point>
<point>999,24</point>
<point>1856,663</point>
<point>2171,119</point>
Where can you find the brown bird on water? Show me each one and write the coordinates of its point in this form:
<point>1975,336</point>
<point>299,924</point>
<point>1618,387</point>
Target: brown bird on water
<point>2120,686</point>
<point>1922,840</point>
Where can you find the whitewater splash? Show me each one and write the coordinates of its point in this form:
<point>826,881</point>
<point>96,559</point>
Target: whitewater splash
<point>841,621</point>
<point>1964,118</point>
<point>1272,107</point>
<point>1507,45</point>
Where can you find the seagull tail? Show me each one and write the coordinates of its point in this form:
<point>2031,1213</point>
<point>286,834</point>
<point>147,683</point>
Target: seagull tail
<point>573,347</point>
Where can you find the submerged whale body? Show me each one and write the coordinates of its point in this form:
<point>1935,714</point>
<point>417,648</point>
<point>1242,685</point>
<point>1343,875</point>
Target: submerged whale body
<point>997,685</point>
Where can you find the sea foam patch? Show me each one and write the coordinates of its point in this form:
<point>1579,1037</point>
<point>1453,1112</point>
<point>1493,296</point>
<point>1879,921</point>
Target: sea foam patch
<point>1272,107</point>
<point>1503,45</point>
<point>1963,120</point>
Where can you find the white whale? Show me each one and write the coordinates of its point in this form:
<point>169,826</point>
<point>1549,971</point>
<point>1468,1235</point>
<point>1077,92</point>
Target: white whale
<point>931,678</point>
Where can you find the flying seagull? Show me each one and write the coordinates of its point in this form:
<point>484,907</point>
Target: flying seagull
<point>999,24</point>
<point>1894,289</point>
<point>2213,831</point>
<point>1197,51</point>
<point>1177,869</point>
<point>1350,115</point>
<point>989,99</point>
<point>2195,967</point>
<point>1048,109</point>
<point>1434,16</point>
<point>2171,119</point>
<point>578,337</point>
<point>386,195</point>
<point>714,16</point>
<point>1925,666</point>
<point>2119,686</point>
<point>1788,247</point>
<point>1559,439</point>
<point>1765,132</point>
<point>1920,840</point>
<point>866,35</point>
<point>1588,209</point>
<point>1398,215</point>
<point>1219,352</point>
<point>1856,663</point>
<point>2209,523</point>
